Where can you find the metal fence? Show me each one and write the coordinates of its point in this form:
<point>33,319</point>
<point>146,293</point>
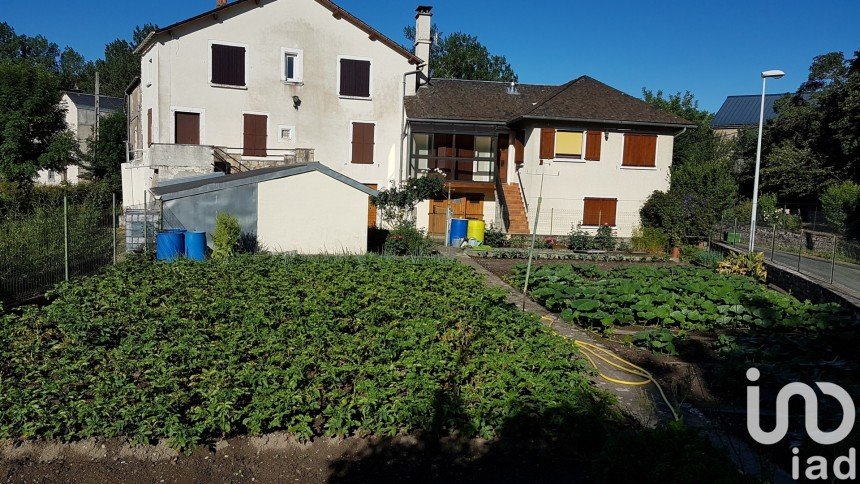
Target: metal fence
<point>560,216</point>
<point>55,243</point>
<point>823,256</point>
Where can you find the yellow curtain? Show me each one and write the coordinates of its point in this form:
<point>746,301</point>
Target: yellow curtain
<point>568,143</point>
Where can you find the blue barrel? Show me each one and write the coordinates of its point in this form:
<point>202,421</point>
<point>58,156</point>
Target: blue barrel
<point>195,245</point>
<point>458,231</point>
<point>169,245</point>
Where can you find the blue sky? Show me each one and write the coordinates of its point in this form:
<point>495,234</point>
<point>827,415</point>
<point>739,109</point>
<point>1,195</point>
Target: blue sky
<point>712,48</point>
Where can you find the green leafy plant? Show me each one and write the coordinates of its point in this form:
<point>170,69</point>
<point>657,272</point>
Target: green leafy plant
<point>841,205</point>
<point>579,239</point>
<point>751,265</point>
<point>397,203</point>
<point>495,237</point>
<point>708,258</point>
<point>649,240</point>
<point>605,239</point>
<point>658,340</point>
<point>407,240</point>
<point>226,236</point>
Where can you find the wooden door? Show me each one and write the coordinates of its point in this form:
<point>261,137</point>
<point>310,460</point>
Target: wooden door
<point>187,128</point>
<point>503,158</point>
<point>474,207</point>
<point>255,135</point>
<point>371,208</point>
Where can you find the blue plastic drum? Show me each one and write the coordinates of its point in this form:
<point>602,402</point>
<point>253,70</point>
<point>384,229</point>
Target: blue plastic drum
<point>169,245</point>
<point>459,226</point>
<point>195,245</point>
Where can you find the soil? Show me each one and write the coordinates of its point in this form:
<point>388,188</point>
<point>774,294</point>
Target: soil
<point>278,458</point>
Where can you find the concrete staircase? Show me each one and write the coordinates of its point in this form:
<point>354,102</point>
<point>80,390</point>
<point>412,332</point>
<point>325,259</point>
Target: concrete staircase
<point>517,218</point>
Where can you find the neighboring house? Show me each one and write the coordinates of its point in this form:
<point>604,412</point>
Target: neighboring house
<point>739,112</point>
<point>278,82</point>
<point>81,120</point>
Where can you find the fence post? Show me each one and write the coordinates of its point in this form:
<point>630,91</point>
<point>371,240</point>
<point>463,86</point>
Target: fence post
<point>773,242</point>
<point>145,225</point>
<point>113,219</point>
<point>833,259</point>
<point>799,249</point>
<point>66,235</point>
<point>735,231</point>
<point>550,219</point>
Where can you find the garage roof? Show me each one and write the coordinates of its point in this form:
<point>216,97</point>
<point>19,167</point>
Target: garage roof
<point>206,185</point>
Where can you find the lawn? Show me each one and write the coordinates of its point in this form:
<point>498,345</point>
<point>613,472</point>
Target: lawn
<point>191,352</point>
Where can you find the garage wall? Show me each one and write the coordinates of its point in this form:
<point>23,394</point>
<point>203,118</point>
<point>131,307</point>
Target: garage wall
<point>197,212</point>
<point>311,213</point>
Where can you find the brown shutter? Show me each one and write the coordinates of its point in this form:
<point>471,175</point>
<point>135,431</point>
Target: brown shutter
<point>640,150</point>
<point>371,208</point>
<point>599,211</point>
<point>354,78</point>
<point>149,127</point>
<point>228,65</point>
<point>362,143</point>
<point>547,143</point>
<point>592,145</point>
<point>520,146</point>
<point>255,135</point>
<point>187,128</point>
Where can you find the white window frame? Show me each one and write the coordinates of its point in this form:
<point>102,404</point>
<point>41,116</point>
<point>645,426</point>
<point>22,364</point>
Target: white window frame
<point>209,60</point>
<point>298,68</point>
<point>292,129</point>
<point>349,144</point>
<point>268,126</point>
<point>370,83</point>
<point>182,109</point>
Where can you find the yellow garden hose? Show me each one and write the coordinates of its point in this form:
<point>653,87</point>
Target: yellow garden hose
<point>592,351</point>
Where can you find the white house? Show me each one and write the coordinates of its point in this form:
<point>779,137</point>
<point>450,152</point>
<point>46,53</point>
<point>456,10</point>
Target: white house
<point>277,82</point>
<point>80,111</point>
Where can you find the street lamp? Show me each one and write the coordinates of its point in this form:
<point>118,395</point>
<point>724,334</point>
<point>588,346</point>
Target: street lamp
<point>776,74</point>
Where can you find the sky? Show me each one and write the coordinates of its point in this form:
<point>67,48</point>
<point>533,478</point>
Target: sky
<point>711,48</point>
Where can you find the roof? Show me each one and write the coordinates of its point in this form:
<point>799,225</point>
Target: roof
<point>198,185</point>
<point>744,110</point>
<point>583,99</point>
<point>88,101</point>
<point>336,11</point>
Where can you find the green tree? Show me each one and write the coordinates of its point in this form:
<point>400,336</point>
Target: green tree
<point>107,153</point>
<point>794,172</point>
<point>75,72</point>
<point>462,56</point>
<point>120,64</point>
<point>841,205</point>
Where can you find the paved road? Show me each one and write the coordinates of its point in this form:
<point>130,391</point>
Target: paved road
<point>845,276</point>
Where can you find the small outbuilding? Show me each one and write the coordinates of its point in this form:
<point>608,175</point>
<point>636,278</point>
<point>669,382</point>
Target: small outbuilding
<point>307,208</point>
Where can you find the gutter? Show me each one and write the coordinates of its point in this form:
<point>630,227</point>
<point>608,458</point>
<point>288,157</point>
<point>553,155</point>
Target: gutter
<point>457,121</point>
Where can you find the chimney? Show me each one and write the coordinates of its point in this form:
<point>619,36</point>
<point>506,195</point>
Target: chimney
<point>220,3</point>
<point>422,36</point>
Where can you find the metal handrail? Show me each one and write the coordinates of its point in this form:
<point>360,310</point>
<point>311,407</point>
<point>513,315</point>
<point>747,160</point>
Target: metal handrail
<point>522,191</point>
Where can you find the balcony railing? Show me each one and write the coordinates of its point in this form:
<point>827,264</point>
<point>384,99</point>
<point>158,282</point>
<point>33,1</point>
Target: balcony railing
<point>458,169</point>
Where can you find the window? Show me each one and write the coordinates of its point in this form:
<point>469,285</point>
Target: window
<point>640,150</point>
<point>187,127</point>
<point>568,144</point>
<point>592,145</point>
<point>228,65</point>
<point>254,135</point>
<point>292,68</point>
<point>460,157</point>
<point>354,80</point>
<point>362,143</point>
<point>599,211</point>
<point>287,133</point>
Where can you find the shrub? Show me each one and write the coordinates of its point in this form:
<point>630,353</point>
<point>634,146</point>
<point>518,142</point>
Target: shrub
<point>397,203</point>
<point>226,236</point>
<point>744,265</point>
<point>605,240</point>
<point>549,242</point>
<point>841,206</point>
<point>495,237</point>
<point>708,258</point>
<point>579,239</point>
<point>649,240</point>
<point>407,240</point>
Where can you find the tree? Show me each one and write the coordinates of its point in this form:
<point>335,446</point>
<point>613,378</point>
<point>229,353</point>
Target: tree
<point>462,56</point>
<point>74,71</point>
<point>107,153</point>
<point>121,65</point>
<point>794,173</point>
<point>841,205</point>
<point>31,122</point>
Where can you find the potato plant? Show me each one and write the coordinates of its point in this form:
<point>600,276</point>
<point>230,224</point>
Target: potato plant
<point>191,351</point>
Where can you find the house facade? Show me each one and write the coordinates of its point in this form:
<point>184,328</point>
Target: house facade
<point>269,82</point>
<point>80,111</point>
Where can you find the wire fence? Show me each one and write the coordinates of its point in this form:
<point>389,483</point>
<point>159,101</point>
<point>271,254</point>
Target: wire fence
<point>823,256</point>
<point>560,216</point>
<point>55,243</point>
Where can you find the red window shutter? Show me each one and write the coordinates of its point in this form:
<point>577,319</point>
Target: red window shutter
<point>228,65</point>
<point>362,143</point>
<point>149,127</point>
<point>255,135</point>
<point>592,145</point>
<point>547,143</point>
<point>640,150</point>
<point>599,211</point>
<point>520,146</point>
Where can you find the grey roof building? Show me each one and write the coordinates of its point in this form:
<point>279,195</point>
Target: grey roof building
<point>742,111</point>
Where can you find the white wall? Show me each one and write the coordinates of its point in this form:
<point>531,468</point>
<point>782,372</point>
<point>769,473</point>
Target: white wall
<point>181,80</point>
<point>567,182</point>
<point>311,213</point>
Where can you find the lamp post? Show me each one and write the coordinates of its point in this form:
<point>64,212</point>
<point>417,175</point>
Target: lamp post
<point>776,74</point>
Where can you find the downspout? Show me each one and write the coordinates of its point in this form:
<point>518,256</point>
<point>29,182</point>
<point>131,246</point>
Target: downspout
<point>403,121</point>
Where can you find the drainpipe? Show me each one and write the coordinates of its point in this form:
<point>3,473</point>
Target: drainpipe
<point>403,121</point>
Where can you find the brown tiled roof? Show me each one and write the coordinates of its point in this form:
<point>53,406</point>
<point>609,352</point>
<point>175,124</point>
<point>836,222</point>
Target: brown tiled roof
<point>583,99</point>
<point>456,99</point>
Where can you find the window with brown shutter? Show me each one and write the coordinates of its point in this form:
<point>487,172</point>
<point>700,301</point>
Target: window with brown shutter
<point>354,78</point>
<point>547,143</point>
<point>520,146</point>
<point>149,127</point>
<point>639,149</point>
<point>592,145</point>
<point>228,65</point>
<point>254,135</point>
<point>362,143</point>
<point>599,211</point>
<point>187,128</point>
